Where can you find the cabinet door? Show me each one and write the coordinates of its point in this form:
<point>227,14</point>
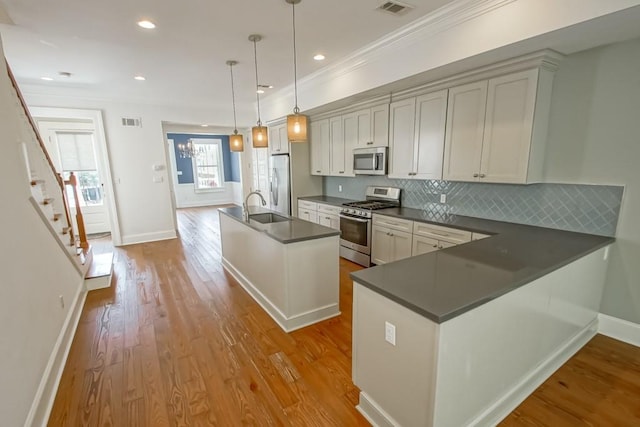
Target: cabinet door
<point>337,146</point>
<point>320,147</point>
<point>401,245</point>
<point>363,119</point>
<point>379,134</point>
<point>464,131</point>
<point>274,140</point>
<point>423,245</point>
<point>401,135</point>
<point>381,242</point>
<point>508,127</point>
<point>329,220</point>
<point>350,139</point>
<point>431,119</point>
<point>283,139</point>
<point>304,214</point>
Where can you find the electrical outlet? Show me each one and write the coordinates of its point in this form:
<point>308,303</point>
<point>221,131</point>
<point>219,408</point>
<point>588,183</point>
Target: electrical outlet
<point>339,188</point>
<point>61,301</point>
<point>390,333</point>
<point>443,198</point>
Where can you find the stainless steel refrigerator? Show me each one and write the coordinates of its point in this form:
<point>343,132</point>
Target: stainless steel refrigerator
<point>280,183</point>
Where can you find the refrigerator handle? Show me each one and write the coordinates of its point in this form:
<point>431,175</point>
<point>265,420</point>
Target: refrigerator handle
<point>274,191</point>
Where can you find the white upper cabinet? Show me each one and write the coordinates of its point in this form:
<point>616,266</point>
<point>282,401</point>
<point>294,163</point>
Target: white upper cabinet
<point>278,142</point>
<point>337,148</point>
<point>417,136</point>
<point>401,134</point>
<point>465,127</point>
<point>320,150</point>
<point>508,127</point>
<point>496,128</point>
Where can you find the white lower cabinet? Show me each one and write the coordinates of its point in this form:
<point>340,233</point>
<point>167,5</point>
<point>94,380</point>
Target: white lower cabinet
<point>394,238</point>
<point>423,245</point>
<point>308,215</point>
<point>388,245</point>
<point>329,216</point>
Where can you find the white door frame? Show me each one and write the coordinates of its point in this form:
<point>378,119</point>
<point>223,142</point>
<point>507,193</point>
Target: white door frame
<point>52,113</point>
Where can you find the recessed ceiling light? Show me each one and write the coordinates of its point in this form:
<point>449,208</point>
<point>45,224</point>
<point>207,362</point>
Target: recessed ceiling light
<point>319,57</point>
<point>205,126</point>
<point>146,24</point>
<point>260,91</point>
<point>47,78</point>
<point>140,78</point>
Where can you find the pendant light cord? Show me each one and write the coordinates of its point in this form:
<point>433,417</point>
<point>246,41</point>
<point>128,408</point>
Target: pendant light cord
<point>233,98</point>
<point>296,110</point>
<point>255,58</point>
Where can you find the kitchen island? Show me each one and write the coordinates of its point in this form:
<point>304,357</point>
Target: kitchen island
<point>460,336</point>
<point>289,266</point>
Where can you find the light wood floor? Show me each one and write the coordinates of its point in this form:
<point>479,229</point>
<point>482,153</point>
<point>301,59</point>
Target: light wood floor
<point>177,342</point>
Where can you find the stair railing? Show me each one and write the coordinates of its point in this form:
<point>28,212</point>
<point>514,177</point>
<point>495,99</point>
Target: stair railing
<point>82,235</point>
<point>73,182</point>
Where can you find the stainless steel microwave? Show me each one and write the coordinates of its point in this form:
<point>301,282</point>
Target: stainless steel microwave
<point>370,161</point>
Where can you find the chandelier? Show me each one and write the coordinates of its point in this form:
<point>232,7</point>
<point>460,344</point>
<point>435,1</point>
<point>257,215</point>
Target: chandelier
<point>186,151</point>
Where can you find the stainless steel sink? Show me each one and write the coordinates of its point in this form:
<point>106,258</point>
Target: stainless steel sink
<point>268,218</point>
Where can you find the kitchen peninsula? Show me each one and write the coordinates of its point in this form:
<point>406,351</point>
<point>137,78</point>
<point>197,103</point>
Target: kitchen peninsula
<point>289,266</point>
<point>460,336</point>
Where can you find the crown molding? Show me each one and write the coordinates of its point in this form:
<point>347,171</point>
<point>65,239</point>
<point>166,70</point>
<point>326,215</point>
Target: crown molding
<point>440,20</point>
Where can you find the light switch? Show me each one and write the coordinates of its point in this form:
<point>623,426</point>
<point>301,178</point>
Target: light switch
<point>158,167</point>
<point>443,198</point>
<point>390,333</point>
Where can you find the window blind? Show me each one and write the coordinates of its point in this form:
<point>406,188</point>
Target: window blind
<point>76,151</point>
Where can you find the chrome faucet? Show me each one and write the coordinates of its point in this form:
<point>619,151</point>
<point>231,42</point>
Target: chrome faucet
<point>245,208</point>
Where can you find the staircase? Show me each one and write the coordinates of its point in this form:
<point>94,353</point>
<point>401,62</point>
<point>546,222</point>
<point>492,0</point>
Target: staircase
<point>48,190</point>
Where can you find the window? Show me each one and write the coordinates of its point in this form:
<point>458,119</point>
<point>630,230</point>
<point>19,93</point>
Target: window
<point>207,164</point>
<point>77,155</point>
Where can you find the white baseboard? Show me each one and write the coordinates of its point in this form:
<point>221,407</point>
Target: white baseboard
<point>133,239</point>
<point>183,205</point>
<point>374,413</point>
<point>510,400</point>
<point>619,329</point>
<point>48,387</point>
<point>290,323</point>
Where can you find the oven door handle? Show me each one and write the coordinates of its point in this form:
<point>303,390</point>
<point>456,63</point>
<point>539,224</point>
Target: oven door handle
<point>354,219</point>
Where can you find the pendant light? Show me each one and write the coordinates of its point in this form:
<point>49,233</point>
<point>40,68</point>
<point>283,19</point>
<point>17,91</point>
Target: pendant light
<point>259,133</point>
<point>236,141</point>
<point>296,122</point>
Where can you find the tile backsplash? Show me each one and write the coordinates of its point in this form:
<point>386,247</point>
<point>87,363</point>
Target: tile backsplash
<point>590,209</point>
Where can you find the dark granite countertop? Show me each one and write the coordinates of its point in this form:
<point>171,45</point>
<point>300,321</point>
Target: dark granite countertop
<point>295,230</point>
<point>329,200</point>
<point>444,284</point>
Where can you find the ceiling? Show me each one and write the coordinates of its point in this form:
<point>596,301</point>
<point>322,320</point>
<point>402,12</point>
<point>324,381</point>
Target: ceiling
<point>183,59</point>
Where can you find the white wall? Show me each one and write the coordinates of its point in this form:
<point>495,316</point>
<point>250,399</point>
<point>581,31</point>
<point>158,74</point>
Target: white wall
<point>594,137</point>
<point>144,207</point>
<point>35,273</point>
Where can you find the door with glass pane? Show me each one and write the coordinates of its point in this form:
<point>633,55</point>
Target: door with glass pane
<point>72,148</point>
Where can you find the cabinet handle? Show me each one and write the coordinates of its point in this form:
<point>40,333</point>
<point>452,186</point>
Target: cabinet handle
<point>475,175</point>
<point>440,247</point>
<point>326,217</point>
<point>370,143</point>
<point>277,149</point>
<point>390,234</point>
<point>341,172</point>
<point>318,171</point>
<point>482,175</point>
<point>435,246</point>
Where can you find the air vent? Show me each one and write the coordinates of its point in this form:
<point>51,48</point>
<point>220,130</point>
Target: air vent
<point>395,7</point>
<point>132,122</point>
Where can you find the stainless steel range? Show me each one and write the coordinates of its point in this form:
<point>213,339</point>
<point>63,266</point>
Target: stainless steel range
<point>355,223</point>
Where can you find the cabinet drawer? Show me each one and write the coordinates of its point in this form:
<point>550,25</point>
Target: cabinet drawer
<point>304,204</point>
<point>451,235</point>
<point>393,223</point>
<point>329,209</point>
